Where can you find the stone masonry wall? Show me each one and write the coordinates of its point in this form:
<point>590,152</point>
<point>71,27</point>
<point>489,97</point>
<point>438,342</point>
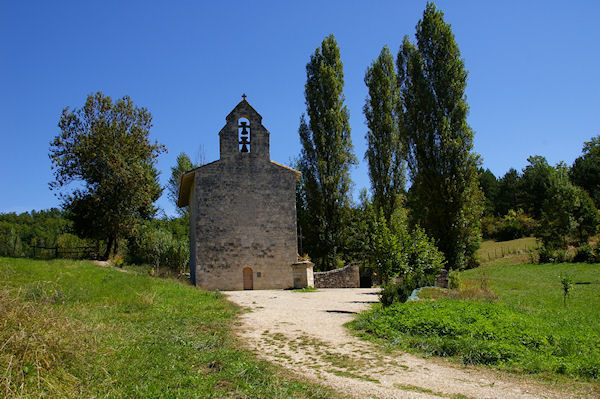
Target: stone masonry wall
<point>346,277</point>
<point>245,213</point>
<point>246,218</point>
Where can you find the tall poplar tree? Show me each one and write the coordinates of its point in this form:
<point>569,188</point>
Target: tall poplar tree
<point>439,142</point>
<point>387,169</point>
<point>326,156</point>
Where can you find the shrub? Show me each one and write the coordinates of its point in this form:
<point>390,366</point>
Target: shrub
<point>546,255</point>
<point>394,292</point>
<point>117,260</point>
<point>454,280</point>
<point>585,254</point>
<point>515,225</point>
<point>159,248</point>
<point>489,227</point>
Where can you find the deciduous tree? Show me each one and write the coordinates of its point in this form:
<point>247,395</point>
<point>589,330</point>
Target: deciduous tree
<point>105,149</point>
<point>183,164</point>
<point>585,171</point>
<point>439,142</point>
<point>387,169</point>
<point>326,156</point>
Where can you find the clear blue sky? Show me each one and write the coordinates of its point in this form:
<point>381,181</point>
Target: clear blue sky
<point>534,73</point>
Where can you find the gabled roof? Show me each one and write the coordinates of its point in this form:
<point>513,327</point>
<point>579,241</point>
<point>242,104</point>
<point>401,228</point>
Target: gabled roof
<point>245,108</point>
<point>187,180</point>
<point>185,184</point>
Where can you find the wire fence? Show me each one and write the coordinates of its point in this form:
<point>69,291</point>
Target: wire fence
<point>83,252</point>
<point>503,251</point>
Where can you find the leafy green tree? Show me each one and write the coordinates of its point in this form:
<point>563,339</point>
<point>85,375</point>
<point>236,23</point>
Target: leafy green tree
<point>568,214</point>
<point>105,148</point>
<point>508,195</point>
<point>387,169</point>
<point>439,142</point>
<point>385,255</point>
<point>326,156</point>
<point>534,185</point>
<point>489,185</point>
<point>585,171</point>
<point>183,164</point>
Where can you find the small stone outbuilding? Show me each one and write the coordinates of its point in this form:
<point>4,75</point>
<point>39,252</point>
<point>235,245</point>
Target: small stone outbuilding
<point>243,213</point>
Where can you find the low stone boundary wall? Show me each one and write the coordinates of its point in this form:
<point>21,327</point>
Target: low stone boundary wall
<point>346,277</point>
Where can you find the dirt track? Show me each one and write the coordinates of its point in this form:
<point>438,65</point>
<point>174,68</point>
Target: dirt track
<point>303,332</point>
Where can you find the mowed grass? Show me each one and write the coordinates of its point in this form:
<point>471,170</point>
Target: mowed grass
<point>73,329</point>
<point>491,249</point>
<point>527,329</point>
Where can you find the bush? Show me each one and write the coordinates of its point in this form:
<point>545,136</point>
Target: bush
<point>394,292</point>
<point>489,227</point>
<point>515,225</point>
<point>585,254</point>
<point>160,248</point>
<point>546,255</point>
<point>454,280</point>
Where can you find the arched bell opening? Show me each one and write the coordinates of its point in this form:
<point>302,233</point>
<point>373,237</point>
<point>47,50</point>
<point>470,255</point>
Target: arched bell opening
<point>244,134</point>
<point>248,278</point>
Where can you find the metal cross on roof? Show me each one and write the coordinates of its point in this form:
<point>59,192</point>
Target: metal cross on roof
<point>244,96</point>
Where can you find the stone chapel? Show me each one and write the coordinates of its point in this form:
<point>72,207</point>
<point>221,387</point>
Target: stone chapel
<point>243,213</point>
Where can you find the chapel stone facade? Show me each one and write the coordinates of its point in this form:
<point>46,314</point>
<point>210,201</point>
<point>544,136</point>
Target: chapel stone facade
<point>243,212</point>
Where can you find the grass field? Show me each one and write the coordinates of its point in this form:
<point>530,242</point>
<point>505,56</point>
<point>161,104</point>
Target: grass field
<point>527,329</point>
<point>491,250</point>
<point>73,329</point>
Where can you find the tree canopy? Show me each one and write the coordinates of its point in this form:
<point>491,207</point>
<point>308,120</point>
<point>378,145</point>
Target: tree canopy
<point>585,171</point>
<point>104,148</point>
<point>438,141</point>
<point>183,164</point>
<point>387,169</point>
<point>326,156</point>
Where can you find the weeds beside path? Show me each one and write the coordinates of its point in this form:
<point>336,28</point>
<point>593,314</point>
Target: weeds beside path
<point>304,332</point>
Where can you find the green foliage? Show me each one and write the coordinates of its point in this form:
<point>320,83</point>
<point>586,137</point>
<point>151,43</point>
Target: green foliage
<point>394,292</point>
<point>586,254</point>
<point>326,157</point>
<point>509,188</point>
<point>384,155</point>
<point>528,329</point>
<point>585,171</point>
<point>20,233</point>
<point>439,142</point>
<point>386,252</point>
<point>513,225</point>
<point>534,185</point>
<point>158,247</point>
<point>454,280</point>
<point>183,164</point>
<point>567,283</point>
<point>105,146</point>
<point>395,254</point>
<point>569,214</point>
<point>74,330</point>
<point>489,186</point>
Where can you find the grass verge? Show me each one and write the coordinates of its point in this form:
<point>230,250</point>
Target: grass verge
<point>527,329</point>
<point>72,329</point>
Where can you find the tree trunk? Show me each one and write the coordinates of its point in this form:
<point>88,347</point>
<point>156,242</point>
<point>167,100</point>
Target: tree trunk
<point>109,245</point>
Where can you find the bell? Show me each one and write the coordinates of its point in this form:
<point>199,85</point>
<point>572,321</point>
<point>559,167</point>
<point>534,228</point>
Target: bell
<point>244,142</point>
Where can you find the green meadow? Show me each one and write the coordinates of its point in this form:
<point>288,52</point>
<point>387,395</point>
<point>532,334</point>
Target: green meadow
<point>509,316</point>
<point>73,329</point>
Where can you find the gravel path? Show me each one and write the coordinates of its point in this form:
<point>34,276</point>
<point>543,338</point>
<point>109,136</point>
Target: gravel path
<point>304,332</point>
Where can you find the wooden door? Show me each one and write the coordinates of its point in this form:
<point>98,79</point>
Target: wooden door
<point>248,283</point>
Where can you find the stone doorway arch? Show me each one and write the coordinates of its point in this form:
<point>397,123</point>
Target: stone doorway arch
<point>248,281</point>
